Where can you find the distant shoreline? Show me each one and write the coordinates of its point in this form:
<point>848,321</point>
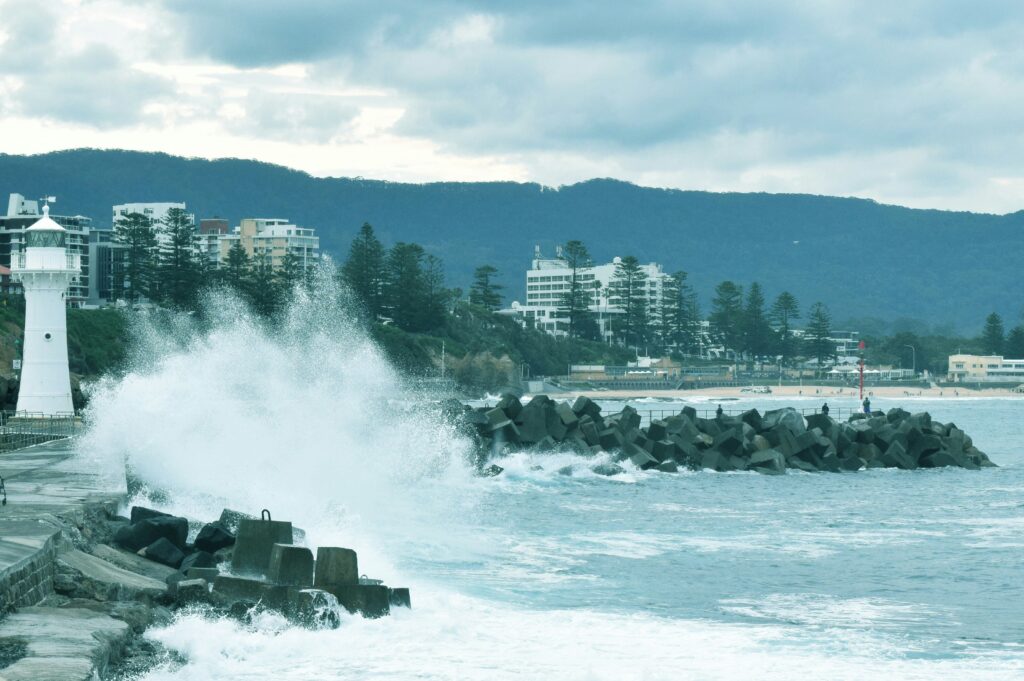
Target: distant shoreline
<point>802,391</point>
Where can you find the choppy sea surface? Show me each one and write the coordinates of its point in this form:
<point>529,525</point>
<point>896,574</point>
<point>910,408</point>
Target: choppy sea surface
<point>880,574</point>
<point>534,574</point>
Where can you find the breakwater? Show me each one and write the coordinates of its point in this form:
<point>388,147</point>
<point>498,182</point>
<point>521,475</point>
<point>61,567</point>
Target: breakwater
<point>771,442</point>
<point>79,584</point>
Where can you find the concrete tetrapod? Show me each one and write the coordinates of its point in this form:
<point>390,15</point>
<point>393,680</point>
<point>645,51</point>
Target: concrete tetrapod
<point>255,541</point>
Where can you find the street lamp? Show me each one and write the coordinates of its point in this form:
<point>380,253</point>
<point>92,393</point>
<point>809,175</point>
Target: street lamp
<point>913,358</point>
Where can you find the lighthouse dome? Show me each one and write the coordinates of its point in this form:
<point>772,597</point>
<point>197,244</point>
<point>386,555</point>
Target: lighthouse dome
<point>45,232</point>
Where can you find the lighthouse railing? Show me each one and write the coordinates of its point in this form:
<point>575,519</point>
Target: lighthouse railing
<point>24,429</point>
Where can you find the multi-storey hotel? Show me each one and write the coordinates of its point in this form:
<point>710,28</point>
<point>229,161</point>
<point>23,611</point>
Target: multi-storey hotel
<point>273,238</point>
<point>548,280</point>
<point>21,214</point>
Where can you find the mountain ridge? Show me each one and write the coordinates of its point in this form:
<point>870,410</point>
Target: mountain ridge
<point>861,257</point>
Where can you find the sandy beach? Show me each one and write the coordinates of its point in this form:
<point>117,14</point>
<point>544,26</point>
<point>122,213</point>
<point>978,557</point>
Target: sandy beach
<point>807,391</point>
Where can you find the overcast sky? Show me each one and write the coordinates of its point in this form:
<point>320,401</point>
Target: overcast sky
<point>918,103</point>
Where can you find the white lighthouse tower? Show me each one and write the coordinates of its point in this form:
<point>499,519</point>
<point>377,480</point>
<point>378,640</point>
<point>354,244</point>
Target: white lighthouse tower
<point>45,269</point>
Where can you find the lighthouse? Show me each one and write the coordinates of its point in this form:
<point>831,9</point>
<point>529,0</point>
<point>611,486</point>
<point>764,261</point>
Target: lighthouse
<point>45,269</point>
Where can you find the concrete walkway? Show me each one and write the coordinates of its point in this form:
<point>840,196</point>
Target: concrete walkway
<point>50,491</point>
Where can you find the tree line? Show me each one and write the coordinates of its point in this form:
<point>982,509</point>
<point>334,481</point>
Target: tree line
<point>161,261</point>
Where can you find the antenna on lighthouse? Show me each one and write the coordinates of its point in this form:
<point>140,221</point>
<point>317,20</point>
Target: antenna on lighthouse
<point>46,201</point>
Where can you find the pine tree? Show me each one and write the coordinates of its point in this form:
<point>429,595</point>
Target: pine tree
<point>484,292</point>
<point>1014,345</point>
<point>180,266</point>
<point>134,278</point>
<point>784,309</point>
<point>415,297</point>
<point>364,269</point>
<point>992,336</point>
<point>817,336</point>
<point>292,273</point>
<point>264,287</point>
<point>727,315</point>
<point>757,334</point>
<point>235,271</point>
<point>629,293</point>
<point>577,299</point>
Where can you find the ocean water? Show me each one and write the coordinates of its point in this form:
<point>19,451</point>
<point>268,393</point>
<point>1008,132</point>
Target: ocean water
<point>539,575</point>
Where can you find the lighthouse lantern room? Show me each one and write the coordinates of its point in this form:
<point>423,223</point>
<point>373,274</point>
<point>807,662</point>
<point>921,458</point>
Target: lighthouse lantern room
<point>45,269</point>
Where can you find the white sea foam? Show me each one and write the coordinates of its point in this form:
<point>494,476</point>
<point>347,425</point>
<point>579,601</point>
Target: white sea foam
<point>308,420</point>
<point>451,636</point>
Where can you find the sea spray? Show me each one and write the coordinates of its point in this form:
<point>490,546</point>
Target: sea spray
<point>304,416</point>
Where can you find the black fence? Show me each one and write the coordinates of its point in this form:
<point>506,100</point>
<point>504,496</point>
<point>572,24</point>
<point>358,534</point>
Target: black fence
<point>24,429</point>
<point>648,415</point>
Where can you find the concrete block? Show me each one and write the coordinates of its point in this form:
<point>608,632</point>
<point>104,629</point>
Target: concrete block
<point>566,414</point>
<point>852,463</point>
<point>369,600</point>
<point>729,442</point>
<point>335,566</point>
<point>610,438</point>
<point>191,591</point>
<point>164,552</point>
<point>496,417</point>
<point>400,597</point>
<point>144,532</point>
<point>640,457</point>
<point>291,565</point>
<point>510,404</point>
<point>230,519</point>
<point>608,469</point>
<point>590,433</point>
<point>254,543</point>
<point>714,460</point>
<point>657,430</point>
<point>214,537</point>
<point>199,559</point>
<point>752,418</point>
<point>207,573</point>
<point>584,406</point>
<point>142,513</point>
<point>770,461</point>
<point>664,450</point>
<point>896,457</point>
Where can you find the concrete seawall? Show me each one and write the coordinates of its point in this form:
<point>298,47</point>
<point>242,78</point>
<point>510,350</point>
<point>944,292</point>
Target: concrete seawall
<point>50,495</point>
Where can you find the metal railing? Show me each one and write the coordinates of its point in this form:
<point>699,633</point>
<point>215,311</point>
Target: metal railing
<point>73,261</point>
<point>24,429</point>
<point>648,415</point>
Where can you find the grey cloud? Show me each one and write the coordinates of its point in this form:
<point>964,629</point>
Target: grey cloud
<point>293,117</point>
<point>92,85</point>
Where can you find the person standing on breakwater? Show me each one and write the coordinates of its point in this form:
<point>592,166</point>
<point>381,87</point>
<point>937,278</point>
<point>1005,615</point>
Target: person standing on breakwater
<point>824,409</point>
<point>718,413</point>
<point>867,406</point>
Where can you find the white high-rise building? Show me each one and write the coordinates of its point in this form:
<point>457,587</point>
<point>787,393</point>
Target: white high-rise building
<point>45,269</point>
<point>154,211</point>
<point>547,282</point>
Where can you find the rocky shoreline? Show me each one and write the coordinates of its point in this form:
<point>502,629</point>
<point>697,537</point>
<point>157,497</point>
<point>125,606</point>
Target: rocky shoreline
<point>769,443</point>
<point>117,576</point>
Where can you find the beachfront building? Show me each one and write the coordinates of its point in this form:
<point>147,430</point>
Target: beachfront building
<point>548,280</point>
<point>272,239</point>
<point>21,214</point>
<point>985,368</point>
<point>210,232</point>
<point>154,211</point>
<point>847,343</point>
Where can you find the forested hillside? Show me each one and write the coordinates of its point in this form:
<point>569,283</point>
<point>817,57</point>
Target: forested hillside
<point>863,259</point>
